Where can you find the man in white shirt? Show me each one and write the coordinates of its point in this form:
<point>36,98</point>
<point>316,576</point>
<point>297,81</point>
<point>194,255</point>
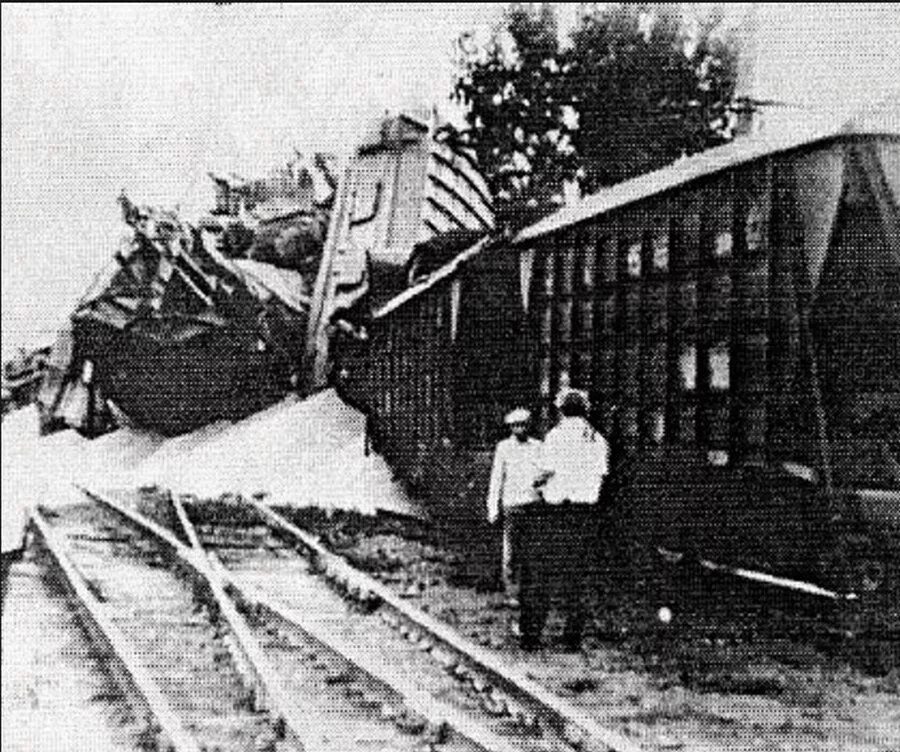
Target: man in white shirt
<point>575,459</point>
<point>516,468</point>
<point>575,456</point>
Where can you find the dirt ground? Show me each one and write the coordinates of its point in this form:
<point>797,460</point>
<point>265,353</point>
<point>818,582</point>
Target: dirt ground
<point>735,669</point>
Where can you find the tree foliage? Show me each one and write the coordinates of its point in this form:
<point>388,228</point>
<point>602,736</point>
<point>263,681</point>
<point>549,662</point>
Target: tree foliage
<point>634,88</point>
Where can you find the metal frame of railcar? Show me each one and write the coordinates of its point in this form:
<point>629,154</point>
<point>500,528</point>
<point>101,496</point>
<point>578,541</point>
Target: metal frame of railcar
<point>682,298</point>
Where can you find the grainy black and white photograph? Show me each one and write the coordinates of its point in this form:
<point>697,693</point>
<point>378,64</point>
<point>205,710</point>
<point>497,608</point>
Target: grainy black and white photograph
<point>423,377</point>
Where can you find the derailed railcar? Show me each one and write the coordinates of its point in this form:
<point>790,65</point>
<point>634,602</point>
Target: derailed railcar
<point>441,362</point>
<point>744,300</point>
<point>735,318</point>
<point>407,199</point>
<point>173,335</point>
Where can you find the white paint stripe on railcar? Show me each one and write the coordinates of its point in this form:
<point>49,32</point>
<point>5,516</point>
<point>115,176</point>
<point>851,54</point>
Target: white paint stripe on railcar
<point>457,198</point>
<point>783,582</point>
<point>508,676</point>
<point>673,557</point>
<point>468,170</point>
<point>137,675</point>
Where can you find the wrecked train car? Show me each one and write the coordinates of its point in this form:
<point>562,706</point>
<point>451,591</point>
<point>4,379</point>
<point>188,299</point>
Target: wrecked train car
<point>175,335</point>
<point>408,202</point>
<point>735,318</point>
<point>22,376</point>
<point>280,219</point>
<point>191,325</point>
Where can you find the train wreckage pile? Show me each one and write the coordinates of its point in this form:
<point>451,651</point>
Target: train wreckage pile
<point>190,324</point>
<point>391,285</point>
<point>186,326</point>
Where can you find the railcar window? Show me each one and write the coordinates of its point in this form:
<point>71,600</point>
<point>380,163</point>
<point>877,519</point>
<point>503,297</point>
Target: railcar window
<point>585,259</point>
<point>661,252</point>
<point>607,259</point>
<point>633,260</point>
<point>588,262</point>
<point>549,269</point>
<point>608,311</point>
<point>455,300</point>
<point>687,367</point>
<point>565,321</point>
<point>658,426</point>
<point>565,364</point>
<point>566,271</point>
<point>723,245</point>
<point>717,457</point>
<point>586,321</point>
<point>629,423</point>
<point>753,228</point>
<point>545,375</point>
<point>584,365</point>
<point>687,304</point>
<point>547,325</point>
<point>719,367</point>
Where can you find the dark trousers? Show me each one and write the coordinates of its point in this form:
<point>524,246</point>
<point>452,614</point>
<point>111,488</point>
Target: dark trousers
<point>557,555</point>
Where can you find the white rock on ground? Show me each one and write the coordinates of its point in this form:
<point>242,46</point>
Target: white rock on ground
<point>18,449</point>
<point>297,452</point>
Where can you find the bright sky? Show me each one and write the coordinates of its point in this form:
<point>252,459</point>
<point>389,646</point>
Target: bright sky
<point>148,98</point>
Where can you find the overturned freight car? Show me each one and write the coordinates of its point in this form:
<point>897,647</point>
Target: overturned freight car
<point>410,200</point>
<point>735,318</point>
<point>175,335</point>
<point>194,324</point>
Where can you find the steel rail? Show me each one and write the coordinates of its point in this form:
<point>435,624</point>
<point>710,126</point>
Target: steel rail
<point>439,714</point>
<point>571,722</point>
<point>246,651</point>
<point>130,673</point>
<point>252,664</point>
<point>207,565</point>
<point>765,578</point>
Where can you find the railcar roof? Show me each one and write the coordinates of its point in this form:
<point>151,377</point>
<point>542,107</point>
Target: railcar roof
<point>882,120</point>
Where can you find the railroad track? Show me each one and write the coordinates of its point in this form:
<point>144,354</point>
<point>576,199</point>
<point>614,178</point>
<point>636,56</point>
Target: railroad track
<point>161,631</point>
<point>333,658</point>
<point>60,682</point>
<point>216,681</point>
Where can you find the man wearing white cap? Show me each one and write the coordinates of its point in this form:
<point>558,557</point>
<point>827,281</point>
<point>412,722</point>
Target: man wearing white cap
<point>575,459</point>
<point>517,465</point>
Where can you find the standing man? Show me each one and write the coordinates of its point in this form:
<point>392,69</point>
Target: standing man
<point>557,541</point>
<point>516,468</point>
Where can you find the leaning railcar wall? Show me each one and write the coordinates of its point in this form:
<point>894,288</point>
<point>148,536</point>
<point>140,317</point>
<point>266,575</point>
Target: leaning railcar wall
<point>441,368</point>
<point>685,313</point>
